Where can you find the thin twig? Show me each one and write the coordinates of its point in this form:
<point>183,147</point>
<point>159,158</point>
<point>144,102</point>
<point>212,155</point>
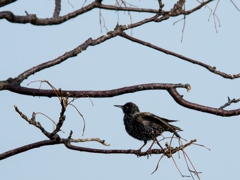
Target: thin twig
<point>229,102</point>
<point>235,5</point>
<point>84,124</point>
<point>48,118</point>
<point>90,139</point>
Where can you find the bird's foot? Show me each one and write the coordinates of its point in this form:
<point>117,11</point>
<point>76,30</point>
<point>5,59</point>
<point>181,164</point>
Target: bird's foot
<point>149,152</point>
<point>138,153</point>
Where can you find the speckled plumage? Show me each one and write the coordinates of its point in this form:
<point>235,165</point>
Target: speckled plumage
<point>145,126</point>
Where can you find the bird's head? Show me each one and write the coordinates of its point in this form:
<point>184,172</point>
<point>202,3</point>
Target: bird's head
<point>129,108</point>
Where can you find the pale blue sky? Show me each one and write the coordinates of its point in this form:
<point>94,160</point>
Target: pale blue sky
<point>114,64</point>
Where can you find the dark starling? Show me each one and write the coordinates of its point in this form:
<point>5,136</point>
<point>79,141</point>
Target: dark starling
<point>145,126</point>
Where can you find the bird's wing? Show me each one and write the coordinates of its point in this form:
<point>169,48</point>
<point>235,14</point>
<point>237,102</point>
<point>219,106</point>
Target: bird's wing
<point>147,118</point>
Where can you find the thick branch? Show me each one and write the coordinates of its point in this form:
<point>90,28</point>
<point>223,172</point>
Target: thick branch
<point>171,88</point>
<point>219,112</point>
<point>27,147</point>
<point>6,2</point>
<point>94,94</point>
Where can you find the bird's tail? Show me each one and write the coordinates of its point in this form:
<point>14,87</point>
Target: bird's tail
<point>176,129</point>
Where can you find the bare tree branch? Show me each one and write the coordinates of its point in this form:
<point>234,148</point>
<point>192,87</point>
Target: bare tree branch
<point>171,88</point>
<point>219,112</point>
<point>129,151</point>
<point>229,102</point>
<point>90,139</point>
<point>196,8</point>
<point>27,148</point>
<point>56,139</point>
<point>156,15</point>
<point>57,8</point>
<point>34,20</point>
<point>94,94</point>
<point>6,2</point>
<point>32,121</point>
<point>208,67</point>
<point>118,8</point>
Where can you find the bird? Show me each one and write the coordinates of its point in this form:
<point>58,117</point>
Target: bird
<point>145,126</point>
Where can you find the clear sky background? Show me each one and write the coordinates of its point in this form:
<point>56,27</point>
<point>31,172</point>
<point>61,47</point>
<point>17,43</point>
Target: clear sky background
<point>114,64</point>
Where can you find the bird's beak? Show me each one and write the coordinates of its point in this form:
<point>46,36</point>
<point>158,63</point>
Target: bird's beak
<point>119,106</point>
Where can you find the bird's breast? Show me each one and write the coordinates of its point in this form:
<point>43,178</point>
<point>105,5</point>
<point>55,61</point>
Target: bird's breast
<point>136,129</point>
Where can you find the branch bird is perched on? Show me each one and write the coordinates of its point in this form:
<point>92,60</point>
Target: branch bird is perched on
<point>145,126</point>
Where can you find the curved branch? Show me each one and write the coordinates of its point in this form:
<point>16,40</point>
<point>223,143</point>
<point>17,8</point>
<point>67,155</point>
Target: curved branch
<point>171,88</point>
<point>217,111</point>
<point>27,147</point>
<point>93,94</point>
<point>34,20</point>
<point>208,67</point>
